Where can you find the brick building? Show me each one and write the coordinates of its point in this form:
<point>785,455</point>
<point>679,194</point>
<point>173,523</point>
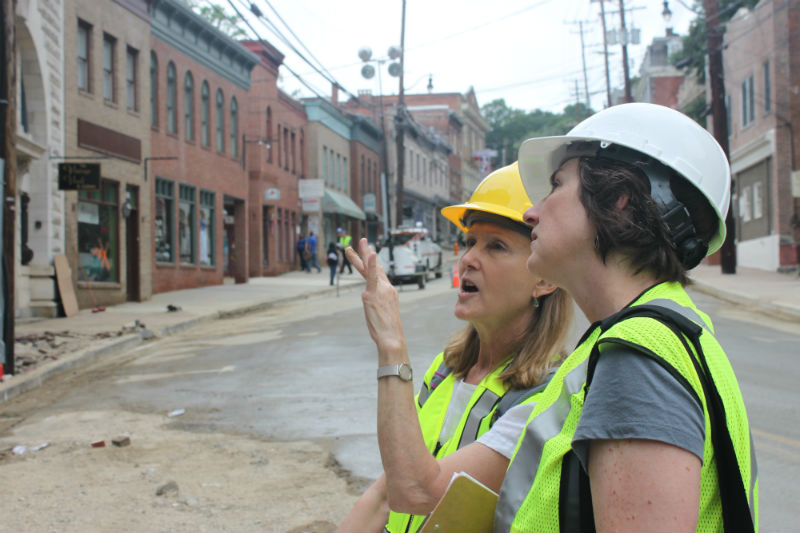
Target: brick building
<point>199,85</point>
<point>107,235</point>
<point>762,72</point>
<point>659,81</point>
<point>39,33</point>
<point>275,147</point>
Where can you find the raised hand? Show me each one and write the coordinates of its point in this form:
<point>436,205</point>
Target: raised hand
<point>381,302</point>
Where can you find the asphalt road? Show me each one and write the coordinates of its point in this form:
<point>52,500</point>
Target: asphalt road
<point>307,371</point>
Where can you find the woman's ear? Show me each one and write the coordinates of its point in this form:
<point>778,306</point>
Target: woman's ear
<point>543,288</point>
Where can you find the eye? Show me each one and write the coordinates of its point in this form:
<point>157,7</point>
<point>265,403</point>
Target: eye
<point>470,242</point>
<point>497,245</point>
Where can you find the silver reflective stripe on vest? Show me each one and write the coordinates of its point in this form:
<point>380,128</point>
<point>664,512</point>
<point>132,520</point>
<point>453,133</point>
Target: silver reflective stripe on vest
<point>479,411</point>
<point>441,373</point>
<point>687,312</point>
<point>522,471</point>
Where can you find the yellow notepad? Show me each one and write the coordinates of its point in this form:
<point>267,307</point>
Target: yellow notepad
<point>466,506</point>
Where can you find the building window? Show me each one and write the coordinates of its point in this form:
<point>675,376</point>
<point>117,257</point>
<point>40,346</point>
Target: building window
<point>269,130</point>
<point>767,88</point>
<point>131,71</point>
<point>286,148</point>
<point>188,105</point>
<point>280,150</point>
<point>302,151</point>
<point>748,102</point>
<point>234,127</point>
<point>153,90</point>
<point>165,193</point>
<point>345,176</point>
<point>294,154</point>
<point>172,96</point>
<point>98,233</point>
<point>109,67</point>
<point>325,165</point>
<point>363,175</point>
<point>220,121</point>
<point>84,56</point>
<point>207,210</point>
<point>338,171</point>
<point>205,114</point>
<point>186,223</point>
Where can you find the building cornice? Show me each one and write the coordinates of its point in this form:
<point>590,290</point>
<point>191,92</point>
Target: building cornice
<point>174,23</point>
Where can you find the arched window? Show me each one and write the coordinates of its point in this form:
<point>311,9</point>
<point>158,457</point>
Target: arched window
<point>153,90</point>
<point>188,103</point>
<point>234,127</point>
<point>172,96</point>
<point>205,114</point>
<point>220,121</point>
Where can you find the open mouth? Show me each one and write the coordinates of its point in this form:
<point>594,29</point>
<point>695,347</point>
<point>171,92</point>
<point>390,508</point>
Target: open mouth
<point>468,286</point>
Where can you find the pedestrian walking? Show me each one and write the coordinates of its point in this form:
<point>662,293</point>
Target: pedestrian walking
<point>302,252</point>
<point>465,416</point>
<point>344,241</point>
<point>333,259</point>
<point>643,426</point>
<point>311,245</point>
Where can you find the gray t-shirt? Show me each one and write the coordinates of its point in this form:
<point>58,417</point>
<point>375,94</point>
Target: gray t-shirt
<point>633,397</point>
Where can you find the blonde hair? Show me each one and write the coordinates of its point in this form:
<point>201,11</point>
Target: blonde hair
<point>541,347</point>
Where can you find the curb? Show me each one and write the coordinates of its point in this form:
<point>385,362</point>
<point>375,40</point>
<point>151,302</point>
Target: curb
<point>776,310</point>
<point>14,386</point>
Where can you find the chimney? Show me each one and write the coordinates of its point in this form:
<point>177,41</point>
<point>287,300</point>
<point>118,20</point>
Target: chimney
<point>334,94</point>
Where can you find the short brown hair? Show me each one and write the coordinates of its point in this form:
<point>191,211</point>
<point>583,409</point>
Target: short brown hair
<point>541,347</point>
<point>637,229</point>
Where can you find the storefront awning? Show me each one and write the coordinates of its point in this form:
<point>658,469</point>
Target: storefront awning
<point>336,202</point>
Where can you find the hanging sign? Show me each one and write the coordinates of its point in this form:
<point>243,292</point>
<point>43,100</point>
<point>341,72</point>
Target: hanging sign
<point>78,176</point>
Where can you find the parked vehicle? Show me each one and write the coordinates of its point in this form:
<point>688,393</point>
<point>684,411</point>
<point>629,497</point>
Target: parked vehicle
<point>419,241</point>
<point>402,265</point>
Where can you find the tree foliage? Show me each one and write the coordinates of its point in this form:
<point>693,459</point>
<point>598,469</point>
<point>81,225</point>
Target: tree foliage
<point>512,126</point>
<point>218,17</point>
<point>692,56</point>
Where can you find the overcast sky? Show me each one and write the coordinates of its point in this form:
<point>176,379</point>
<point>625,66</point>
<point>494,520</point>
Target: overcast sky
<point>527,52</point>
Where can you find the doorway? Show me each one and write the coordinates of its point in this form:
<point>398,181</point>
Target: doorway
<point>130,210</point>
<point>229,239</point>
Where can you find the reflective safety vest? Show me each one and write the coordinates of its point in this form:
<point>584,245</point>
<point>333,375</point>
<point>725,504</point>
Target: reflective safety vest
<point>546,489</point>
<point>479,415</point>
<point>345,241</point>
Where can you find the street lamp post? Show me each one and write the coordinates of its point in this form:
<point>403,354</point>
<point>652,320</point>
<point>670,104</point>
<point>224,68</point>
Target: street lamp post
<point>368,71</point>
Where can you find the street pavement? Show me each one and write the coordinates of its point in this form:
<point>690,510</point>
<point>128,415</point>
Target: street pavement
<point>116,331</point>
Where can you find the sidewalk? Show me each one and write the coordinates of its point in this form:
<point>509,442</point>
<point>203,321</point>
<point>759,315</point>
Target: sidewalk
<point>60,344</point>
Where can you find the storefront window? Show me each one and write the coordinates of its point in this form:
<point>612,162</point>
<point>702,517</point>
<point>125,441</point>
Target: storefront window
<point>186,223</point>
<point>98,242</point>
<point>207,225</point>
<point>163,220</point>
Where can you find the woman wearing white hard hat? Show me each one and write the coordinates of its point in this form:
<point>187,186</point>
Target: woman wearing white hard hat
<point>643,427</point>
<point>466,416</point>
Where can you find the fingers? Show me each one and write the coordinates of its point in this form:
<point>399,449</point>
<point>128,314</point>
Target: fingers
<point>356,261</point>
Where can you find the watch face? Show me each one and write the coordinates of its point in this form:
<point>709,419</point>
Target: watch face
<point>405,372</point>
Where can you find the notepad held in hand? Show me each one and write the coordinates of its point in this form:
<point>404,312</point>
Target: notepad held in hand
<point>466,506</point>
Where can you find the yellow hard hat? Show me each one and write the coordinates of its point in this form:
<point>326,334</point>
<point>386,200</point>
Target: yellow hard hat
<point>500,193</point>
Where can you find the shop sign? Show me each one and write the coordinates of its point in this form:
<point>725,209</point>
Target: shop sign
<point>369,202</point>
<point>272,194</point>
<point>78,176</point>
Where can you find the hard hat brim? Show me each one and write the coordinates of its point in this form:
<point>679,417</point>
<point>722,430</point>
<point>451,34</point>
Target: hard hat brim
<point>455,213</point>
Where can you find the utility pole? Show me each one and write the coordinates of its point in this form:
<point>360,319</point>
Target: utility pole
<point>400,122</point>
<point>583,58</point>
<point>8,123</point>
<point>624,34</point>
<point>605,50</point>
<point>720,120</point>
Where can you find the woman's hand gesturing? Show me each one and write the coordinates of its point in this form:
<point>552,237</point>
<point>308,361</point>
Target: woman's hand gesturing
<point>381,303</point>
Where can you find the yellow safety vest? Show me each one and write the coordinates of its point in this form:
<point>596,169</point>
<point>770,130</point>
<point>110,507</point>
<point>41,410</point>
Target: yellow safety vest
<point>532,492</point>
<point>432,402</point>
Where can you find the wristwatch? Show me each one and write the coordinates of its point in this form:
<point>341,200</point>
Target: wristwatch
<point>403,371</point>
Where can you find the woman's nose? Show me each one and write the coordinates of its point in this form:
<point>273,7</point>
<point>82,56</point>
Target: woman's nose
<point>531,216</point>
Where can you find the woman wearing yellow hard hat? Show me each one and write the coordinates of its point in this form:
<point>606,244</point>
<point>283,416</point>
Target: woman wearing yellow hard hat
<point>468,413</point>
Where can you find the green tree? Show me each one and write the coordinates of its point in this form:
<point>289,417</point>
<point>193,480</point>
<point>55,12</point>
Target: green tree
<point>692,56</point>
<point>512,126</point>
<point>218,17</point>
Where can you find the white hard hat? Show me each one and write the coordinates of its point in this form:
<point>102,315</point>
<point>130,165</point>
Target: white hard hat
<point>659,132</point>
